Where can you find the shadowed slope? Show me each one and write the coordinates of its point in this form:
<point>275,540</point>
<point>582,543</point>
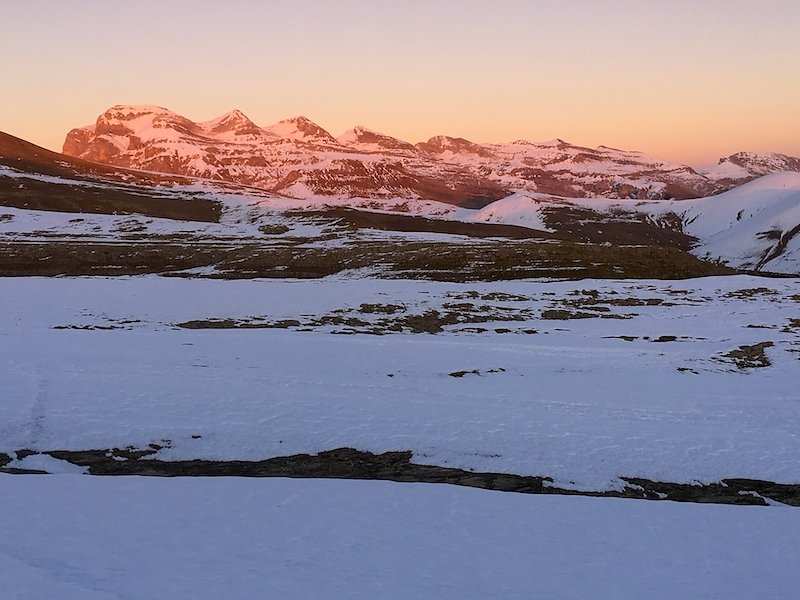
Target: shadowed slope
<point>36,178</point>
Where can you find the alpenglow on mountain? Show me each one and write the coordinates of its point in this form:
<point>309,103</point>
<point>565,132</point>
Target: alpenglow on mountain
<point>298,158</point>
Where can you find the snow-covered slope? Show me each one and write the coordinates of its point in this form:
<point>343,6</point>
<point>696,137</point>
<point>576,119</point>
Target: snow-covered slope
<point>755,226</point>
<point>139,538</point>
<point>298,158</point>
<point>750,164</point>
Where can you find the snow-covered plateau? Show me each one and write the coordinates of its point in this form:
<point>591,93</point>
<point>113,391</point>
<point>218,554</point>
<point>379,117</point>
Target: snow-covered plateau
<point>654,380</point>
<point>583,382</point>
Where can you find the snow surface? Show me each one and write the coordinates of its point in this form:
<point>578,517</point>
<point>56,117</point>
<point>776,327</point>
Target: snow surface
<point>724,170</point>
<point>575,401</point>
<point>518,209</point>
<point>734,225</point>
<point>85,538</point>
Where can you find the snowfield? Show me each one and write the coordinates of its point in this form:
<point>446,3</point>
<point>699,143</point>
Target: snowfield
<point>645,383</point>
<point>87,538</point>
<point>585,382</point>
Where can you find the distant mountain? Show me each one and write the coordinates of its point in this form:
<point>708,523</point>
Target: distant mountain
<point>294,157</point>
<point>298,158</point>
<point>747,165</point>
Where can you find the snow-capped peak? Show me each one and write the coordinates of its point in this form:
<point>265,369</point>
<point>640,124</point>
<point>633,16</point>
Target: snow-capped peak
<point>367,139</point>
<point>231,124</point>
<point>233,116</point>
<point>441,144</point>
<point>300,128</point>
<point>127,111</point>
<point>750,164</point>
<point>763,163</point>
<point>145,121</point>
<point>353,136</point>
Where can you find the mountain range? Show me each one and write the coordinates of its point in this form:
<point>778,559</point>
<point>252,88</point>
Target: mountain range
<point>299,159</point>
<point>755,226</point>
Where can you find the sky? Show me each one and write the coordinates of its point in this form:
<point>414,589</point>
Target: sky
<point>682,80</point>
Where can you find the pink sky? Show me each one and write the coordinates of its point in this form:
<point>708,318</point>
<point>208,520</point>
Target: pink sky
<point>687,81</point>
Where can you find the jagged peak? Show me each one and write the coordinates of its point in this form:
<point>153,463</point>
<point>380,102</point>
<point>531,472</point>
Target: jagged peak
<point>234,115</point>
<point>445,139</point>
<point>744,155</point>
<point>299,119</point>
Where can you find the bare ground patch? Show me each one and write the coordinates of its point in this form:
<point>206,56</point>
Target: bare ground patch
<point>749,357</point>
<point>441,261</point>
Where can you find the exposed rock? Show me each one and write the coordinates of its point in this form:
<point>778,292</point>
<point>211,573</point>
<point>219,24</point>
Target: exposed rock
<point>348,463</point>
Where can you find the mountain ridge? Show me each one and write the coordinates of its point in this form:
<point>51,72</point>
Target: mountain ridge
<point>298,158</point>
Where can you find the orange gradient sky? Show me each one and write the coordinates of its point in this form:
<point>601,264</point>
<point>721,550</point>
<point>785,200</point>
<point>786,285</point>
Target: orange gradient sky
<point>686,81</point>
